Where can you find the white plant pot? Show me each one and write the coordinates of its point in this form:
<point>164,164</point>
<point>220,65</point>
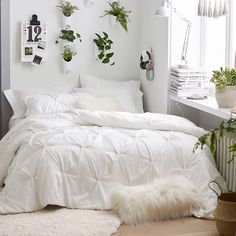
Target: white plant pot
<point>66,21</point>
<point>227,98</point>
<point>96,52</point>
<point>113,22</point>
<point>89,3</point>
<point>67,66</point>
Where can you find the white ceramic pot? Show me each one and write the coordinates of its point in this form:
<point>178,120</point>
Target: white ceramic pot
<point>67,66</point>
<point>66,22</point>
<point>113,22</point>
<point>227,98</point>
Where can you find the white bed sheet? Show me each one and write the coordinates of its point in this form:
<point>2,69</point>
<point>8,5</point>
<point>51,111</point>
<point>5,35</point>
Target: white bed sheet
<point>76,159</point>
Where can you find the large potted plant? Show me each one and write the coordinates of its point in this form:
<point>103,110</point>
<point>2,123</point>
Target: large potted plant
<point>225,213</point>
<point>225,82</point>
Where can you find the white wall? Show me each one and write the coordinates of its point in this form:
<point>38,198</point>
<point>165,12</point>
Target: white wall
<point>155,34</point>
<point>86,22</point>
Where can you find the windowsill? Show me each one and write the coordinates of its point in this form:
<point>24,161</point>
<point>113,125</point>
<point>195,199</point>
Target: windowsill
<point>208,105</point>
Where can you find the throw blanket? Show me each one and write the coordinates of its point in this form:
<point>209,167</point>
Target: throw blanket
<point>76,159</point>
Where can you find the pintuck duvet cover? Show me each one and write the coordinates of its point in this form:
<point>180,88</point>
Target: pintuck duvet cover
<point>76,158</point>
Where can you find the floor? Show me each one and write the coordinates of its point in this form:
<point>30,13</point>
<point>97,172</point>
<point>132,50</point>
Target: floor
<point>183,227</point>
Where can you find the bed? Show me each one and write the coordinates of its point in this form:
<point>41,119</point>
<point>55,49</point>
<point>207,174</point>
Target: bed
<point>71,155</point>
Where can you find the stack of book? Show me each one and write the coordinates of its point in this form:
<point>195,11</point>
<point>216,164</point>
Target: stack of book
<point>187,82</point>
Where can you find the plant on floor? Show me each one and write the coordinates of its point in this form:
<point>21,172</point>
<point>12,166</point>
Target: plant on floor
<point>120,13</point>
<point>104,45</point>
<point>68,9</point>
<point>210,138</point>
<point>224,77</point>
<point>68,53</point>
<point>68,35</point>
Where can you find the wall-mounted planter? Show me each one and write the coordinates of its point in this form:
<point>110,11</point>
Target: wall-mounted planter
<point>67,66</point>
<point>89,3</point>
<point>66,22</point>
<point>113,22</point>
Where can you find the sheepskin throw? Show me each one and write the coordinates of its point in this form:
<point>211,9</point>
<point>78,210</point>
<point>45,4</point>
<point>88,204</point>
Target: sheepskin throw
<point>55,221</point>
<point>163,199</point>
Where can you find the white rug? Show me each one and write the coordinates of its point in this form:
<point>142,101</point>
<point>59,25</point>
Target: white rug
<point>56,221</point>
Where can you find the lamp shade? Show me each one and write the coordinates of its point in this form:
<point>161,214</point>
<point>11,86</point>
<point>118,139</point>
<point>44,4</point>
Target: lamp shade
<point>163,10</point>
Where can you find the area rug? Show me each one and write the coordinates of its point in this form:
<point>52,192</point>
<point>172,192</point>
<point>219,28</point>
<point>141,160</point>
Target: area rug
<point>56,221</point>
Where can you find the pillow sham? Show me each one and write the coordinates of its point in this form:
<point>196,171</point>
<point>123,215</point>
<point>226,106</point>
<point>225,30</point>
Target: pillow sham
<point>16,98</point>
<point>91,81</point>
<point>98,103</point>
<point>126,97</point>
<point>47,103</point>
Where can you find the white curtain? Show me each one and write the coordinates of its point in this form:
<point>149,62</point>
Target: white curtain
<point>213,8</point>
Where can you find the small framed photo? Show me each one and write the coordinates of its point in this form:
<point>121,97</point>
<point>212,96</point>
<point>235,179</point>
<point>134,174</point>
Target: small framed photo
<point>37,60</point>
<point>28,51</point>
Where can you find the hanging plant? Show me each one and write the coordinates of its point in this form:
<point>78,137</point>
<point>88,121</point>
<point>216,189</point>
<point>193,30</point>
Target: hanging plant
<point>68,35</point>
<point>104,45</point>
<point>68,9</point>
<point>68,53</point>
<point>120,13</point>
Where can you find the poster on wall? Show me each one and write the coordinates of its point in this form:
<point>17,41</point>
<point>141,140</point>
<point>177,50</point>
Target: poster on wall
<point>33,42</point>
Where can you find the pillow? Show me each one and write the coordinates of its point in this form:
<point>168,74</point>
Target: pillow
<point>98,103</point>
<point>90,81</point>
<point>126,97</point>
<point>16,98</point>
<point>46,103</point>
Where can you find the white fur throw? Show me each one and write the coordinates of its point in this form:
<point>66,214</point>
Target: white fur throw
<point>163,199</point>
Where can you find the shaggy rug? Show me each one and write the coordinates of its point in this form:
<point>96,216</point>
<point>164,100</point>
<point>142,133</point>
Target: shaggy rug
<point>56,221</point>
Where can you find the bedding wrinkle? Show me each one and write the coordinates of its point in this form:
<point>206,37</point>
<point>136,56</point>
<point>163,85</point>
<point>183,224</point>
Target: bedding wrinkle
<point>77,158</point>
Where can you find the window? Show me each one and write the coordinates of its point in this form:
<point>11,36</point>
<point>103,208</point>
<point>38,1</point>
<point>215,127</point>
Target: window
<point>218,48</point>
<point>212,41</point>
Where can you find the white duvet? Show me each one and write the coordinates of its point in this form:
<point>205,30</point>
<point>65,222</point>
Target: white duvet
<point>76,159</point>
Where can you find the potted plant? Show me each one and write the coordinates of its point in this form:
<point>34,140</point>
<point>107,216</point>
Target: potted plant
<point>68,53</point>
<point>225,82</point>
<point>120,13</point>
<point>68,9</point>
<point>68,35</point>
<point>104,46</point>
<point>225,212</point>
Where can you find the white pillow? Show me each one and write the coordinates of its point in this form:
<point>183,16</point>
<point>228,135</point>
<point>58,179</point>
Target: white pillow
<point>90,81</point>
<point>125,97</point>
<point>98,103</point>
<point>47,103</point>
<point>16,98</point>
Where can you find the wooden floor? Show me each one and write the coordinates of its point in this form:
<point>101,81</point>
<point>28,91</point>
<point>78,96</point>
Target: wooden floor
<point>184,227</point>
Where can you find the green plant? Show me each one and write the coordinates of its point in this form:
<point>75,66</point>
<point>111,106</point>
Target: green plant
<point>120,13</point>
<point>68,53</point>
<point>224,77</point>
<point>210,138</point>
<point>68,9</point>
<point>69,35</point>
<point>104,45</point>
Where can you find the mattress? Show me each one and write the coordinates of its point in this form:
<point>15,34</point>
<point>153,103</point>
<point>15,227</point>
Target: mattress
<point>77,158</point>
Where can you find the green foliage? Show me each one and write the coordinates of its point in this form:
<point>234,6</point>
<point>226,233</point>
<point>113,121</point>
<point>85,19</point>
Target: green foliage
<point>211,137</point>
<point>104,45</point>
<point>68,53</point>
<point>120,13</point>
<point>68,9</point>
<point>224,77</point>
<point>68,35</point>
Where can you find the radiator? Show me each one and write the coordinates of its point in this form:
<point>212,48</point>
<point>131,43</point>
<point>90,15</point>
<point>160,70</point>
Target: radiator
<point>223,156</point>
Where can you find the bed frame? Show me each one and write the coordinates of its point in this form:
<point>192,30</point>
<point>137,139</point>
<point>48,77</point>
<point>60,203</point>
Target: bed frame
<point>5,109</point>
